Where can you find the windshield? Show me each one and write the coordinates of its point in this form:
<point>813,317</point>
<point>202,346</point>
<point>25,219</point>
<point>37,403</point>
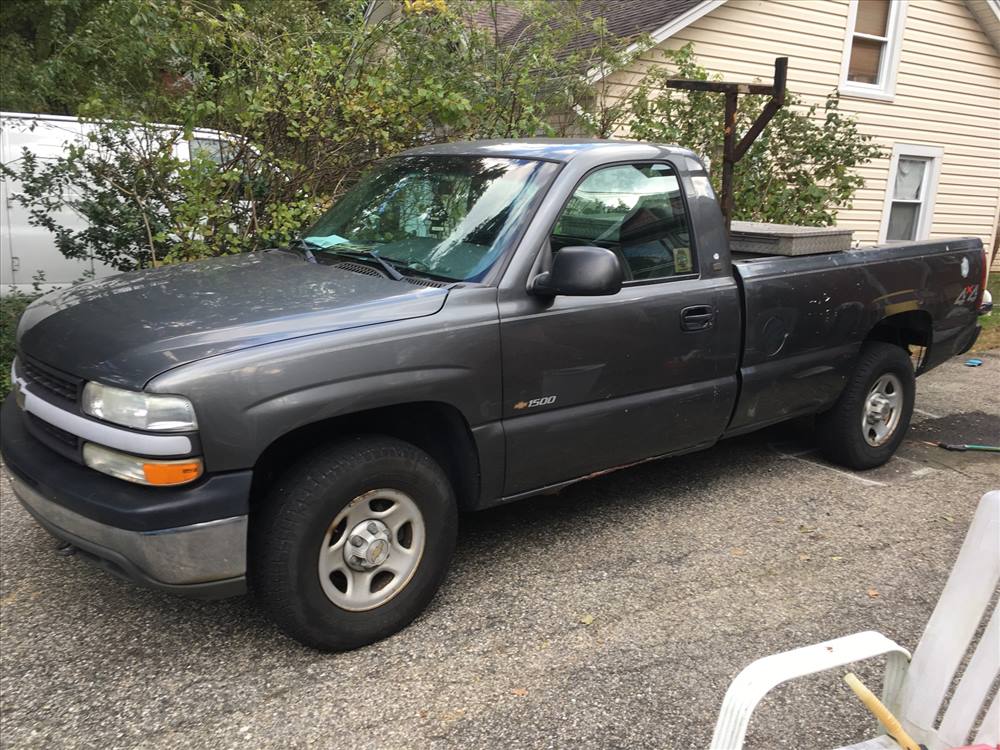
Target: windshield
<point>446,216</point>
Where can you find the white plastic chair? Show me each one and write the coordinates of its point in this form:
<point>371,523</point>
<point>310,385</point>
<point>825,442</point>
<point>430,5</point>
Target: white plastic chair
<point>913,689</point>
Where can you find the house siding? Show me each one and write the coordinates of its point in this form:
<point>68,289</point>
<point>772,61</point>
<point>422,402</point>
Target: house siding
<point>947,95</point>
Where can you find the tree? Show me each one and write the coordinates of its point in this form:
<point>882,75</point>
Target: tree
<point>145,205</point>
<point>801,169</point>
<point>306,95</point>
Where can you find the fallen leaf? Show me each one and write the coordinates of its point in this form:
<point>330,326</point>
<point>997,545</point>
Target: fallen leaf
<point>520,692</point>
<point>949,519</point>
<point>873,593</point>
<point>806,529</point>
<point>587,619</point>
<point>836,557</point>
<point>736,552</point>
<point>779,519</point>
<point>805,558</point>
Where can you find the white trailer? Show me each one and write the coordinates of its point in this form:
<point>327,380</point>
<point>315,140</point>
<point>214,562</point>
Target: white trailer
<point>28,252</point>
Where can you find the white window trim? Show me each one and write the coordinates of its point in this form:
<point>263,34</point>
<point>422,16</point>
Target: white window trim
<point>934,155</point>
<point>886,89</point>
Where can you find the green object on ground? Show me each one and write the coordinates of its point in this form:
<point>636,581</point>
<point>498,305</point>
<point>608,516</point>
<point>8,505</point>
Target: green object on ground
<point>11,308</point>
<point>969,447</point>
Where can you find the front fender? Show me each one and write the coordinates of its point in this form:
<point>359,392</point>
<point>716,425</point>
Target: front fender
<point>246,400</point>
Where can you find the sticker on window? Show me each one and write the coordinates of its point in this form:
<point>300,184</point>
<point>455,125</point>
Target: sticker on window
<point>682,260</point>
<point>328,241</point>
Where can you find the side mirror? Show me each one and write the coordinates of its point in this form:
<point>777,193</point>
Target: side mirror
<point>580,271</point>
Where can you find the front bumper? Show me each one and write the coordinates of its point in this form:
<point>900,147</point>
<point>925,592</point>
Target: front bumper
<point>189,540</point>
<point>204,560</point>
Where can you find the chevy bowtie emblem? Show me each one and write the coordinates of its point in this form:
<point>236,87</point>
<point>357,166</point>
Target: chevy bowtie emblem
<point>521,405</point>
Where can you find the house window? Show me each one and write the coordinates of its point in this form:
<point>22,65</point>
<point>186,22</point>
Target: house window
<point>871,48</point>
<point>909,201</point>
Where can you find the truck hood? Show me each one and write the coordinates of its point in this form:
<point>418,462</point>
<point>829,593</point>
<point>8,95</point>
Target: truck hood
<point>127,329</point>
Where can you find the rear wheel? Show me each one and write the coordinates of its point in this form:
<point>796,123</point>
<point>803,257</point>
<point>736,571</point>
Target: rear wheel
<point>869,421</point>
<point>352,542</point>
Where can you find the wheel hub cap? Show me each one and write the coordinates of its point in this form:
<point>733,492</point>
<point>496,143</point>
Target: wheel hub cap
<point>371,549</point>
<point>368,545</point>
<point>878,409</point>
<point>883,409</point>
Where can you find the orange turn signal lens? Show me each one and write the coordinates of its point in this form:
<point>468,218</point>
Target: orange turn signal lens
<point>172,472</point>
<point>141,470</point>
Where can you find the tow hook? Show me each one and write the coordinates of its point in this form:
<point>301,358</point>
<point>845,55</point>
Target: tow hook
<point>65,549</point>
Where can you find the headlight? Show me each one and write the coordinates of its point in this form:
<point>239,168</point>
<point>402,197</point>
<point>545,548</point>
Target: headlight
<point>143,411</point>
<point>141,470</point>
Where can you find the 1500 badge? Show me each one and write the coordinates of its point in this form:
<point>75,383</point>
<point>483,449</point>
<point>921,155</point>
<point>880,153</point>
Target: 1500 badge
<point>543,401</point>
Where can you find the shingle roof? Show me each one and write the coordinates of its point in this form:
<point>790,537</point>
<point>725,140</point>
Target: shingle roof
<point>507,18</point>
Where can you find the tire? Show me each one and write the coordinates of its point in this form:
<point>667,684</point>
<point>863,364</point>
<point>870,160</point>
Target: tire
<point>845,434</point>
<point>295,544</point>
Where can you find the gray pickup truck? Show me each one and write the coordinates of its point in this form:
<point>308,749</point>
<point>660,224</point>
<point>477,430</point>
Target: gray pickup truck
<point>471,324</point>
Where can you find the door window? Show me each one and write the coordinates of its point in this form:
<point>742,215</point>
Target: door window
<point>635,210</point>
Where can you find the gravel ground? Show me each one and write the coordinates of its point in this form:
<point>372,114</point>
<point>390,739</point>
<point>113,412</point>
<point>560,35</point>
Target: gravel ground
<point>612,615</point>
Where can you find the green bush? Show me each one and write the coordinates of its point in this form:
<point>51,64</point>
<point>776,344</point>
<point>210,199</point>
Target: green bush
<point>11,308</point>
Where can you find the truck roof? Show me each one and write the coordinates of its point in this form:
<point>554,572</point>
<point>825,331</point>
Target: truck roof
<point>553,149</point>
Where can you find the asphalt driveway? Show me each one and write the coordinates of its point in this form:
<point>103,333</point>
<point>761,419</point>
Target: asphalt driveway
<point>612,615</point>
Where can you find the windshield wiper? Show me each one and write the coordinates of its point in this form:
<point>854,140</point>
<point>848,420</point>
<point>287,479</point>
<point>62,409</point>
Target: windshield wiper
<point>304,246</point>
<point>390,269</point>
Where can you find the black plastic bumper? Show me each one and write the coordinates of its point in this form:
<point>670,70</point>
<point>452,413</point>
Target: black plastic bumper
<point>189,540</point>
<point>122,566</point>
<point>112,501</point>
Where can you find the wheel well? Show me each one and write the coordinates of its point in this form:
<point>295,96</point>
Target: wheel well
<point>438,429</point>
<point>906,329</point>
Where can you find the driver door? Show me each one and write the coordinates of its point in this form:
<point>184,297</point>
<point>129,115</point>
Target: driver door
<point>592,383</point>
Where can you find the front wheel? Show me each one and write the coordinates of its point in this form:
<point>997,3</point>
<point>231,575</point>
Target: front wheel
<point>868,422</point>
<point>352,542</point>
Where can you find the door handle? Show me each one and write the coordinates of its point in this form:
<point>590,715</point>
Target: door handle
<point>697,317</point>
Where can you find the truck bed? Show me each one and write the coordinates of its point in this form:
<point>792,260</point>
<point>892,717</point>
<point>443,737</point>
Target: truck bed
<point>806,317</point>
